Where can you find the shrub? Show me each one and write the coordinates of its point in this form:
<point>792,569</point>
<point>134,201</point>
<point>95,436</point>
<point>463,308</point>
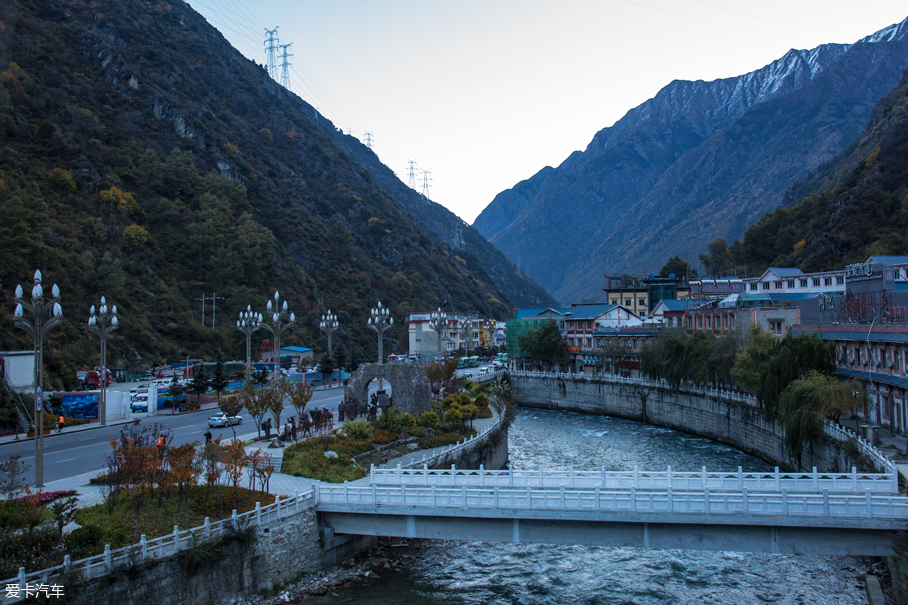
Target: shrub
<point>383,437</point>
<point>484,412</point>
<point>439,440</point>
<point>84,541</point>
<point>307,459</point>
<point>428,419</point>
<point>358,430</point>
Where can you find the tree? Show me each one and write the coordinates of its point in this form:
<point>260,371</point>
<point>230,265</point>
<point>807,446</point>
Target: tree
<point>504,399</point>
<point>326,367</point>
<point>545,343</point>
<point>340,359</point>
<point>300,393</point>
<point>680,267</point>
<point>259,377</point>
<point>717,258</point>
<point>255,404</point>
<point>199,385</point>
<point>807,403</point>
<point>231,406</point>
<point>219,381</point>
<point>176,389</point>
<point>274,399</point>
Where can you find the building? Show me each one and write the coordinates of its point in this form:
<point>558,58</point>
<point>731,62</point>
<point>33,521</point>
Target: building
<point>462,333</point>
<point>640,296</point>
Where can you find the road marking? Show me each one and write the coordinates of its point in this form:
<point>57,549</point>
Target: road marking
<point>89,439</point>
<point>66,460</point>
<point>195,432</point>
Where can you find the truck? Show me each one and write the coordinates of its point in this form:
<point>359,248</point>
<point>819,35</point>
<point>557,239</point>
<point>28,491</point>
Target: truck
<point>91,379</point>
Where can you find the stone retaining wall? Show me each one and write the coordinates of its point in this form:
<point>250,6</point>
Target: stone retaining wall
<point>734,423</point>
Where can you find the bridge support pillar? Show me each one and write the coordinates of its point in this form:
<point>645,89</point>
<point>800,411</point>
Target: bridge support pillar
<point>411,526</point>
<point>515,531</point>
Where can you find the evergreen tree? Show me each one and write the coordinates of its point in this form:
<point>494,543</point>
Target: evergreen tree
<point>219,381</point>
<point>199,385</point>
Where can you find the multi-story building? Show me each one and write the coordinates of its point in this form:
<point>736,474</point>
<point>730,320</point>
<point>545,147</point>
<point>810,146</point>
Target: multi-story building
<point>640,296</point>
<point>461,333</point>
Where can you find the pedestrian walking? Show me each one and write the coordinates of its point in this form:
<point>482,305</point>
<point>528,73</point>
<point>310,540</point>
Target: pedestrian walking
<point>161,446</point>
<point>207,436</point>
<point>60,422</point>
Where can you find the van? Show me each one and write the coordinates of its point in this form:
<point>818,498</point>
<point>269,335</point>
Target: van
<point>139,403</point>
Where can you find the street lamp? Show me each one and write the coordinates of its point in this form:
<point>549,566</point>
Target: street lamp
<point>102,323</point>
<point>438,322</point>
<point>249,322</point>
<point>38,327</point>
<point>279,321</point>
<point>380,320</point>
<point>328,325</point>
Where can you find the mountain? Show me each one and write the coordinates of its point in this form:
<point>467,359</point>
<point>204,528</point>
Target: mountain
<point>144,159</point>
<point>853,206</point>
<point>700,160</point>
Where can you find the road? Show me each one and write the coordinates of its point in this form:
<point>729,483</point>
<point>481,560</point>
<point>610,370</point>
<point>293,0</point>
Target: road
<point>72,453</point>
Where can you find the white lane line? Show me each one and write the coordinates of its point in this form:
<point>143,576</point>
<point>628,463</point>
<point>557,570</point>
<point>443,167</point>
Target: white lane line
<point>195,432</point>
<point>89,439</point>
<point>66,460</point>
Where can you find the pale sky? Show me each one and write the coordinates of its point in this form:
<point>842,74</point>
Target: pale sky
<point>485,93</point>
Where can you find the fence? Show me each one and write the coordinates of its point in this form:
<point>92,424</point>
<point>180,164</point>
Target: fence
<point>453,450</point>
<point>165,546</point>
<point>815,482</point>
<point>831,429</point>
<point>468,499</point>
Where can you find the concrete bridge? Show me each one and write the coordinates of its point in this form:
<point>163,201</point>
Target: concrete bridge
<point>799,513</point>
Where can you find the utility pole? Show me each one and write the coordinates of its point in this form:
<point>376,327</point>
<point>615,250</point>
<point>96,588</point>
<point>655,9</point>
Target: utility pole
<point>203,307</point>
<point>412,171</point>
<point>689,238</point>
<point>425,183</point>
<point>214,301</point>
<point>271,44</point>
<point>369,140</point>
<point>285,65</point>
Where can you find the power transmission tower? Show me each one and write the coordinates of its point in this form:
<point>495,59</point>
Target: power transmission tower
<point>369,140</point>
<point>271,44</point>
<point>413,171</point>
<point>458,238</point>
<point>285,66</point>
<point>425,183</point>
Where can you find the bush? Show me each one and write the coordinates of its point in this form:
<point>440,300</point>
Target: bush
<point>359,430</point>
<point>484,412</point>
<point>383,437</point>
<point>307,459</point>
<point>439,440</point>
<point>84,541</point>
<point>428,419</point>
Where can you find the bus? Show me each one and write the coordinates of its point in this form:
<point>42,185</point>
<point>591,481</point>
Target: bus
<point>473,362</point>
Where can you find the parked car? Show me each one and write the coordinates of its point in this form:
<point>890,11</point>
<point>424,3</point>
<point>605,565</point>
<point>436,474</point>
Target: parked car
<point>139,403</point>
<point>221,419</point>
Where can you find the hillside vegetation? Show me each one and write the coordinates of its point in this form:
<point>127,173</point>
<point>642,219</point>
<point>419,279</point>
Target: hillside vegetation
<point>143,159</point>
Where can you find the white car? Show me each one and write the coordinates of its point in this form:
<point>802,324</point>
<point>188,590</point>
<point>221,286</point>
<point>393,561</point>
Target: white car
<point>221,419</point>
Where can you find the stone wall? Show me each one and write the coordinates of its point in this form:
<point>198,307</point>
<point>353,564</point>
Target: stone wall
<point>737,424</point>
<point>284,549</point>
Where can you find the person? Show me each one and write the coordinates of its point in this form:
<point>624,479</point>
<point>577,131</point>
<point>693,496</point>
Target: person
<point>60,424</point>
<point>161,446</point>
<point>267,426</point>
<point>207,436</point>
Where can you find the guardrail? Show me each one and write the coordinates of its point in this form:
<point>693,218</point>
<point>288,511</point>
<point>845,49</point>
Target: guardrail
<point>814,481</point>
<point>165,546</point>
<point>464,501</point>
<point>451,449</point>
<point>831,429</point>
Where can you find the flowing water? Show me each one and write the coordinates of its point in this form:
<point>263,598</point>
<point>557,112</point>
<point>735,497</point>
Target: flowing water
<point>453,572</point>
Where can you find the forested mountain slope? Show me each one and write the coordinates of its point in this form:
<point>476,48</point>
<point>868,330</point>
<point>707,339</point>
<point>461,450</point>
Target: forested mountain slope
<point>144,159</point>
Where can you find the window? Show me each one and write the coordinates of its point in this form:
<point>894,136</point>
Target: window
<point>827,281</point>
<point>803,282</point>
<point>753,286</point>
<point>775,327</point>
<point>589,326</point>
<point>765,285</point>
<point>839,280</point>
<point>709,324</point>
<point>627,302</point>
<point>816,282</point>
<point>791,283</point>
<point>725,321</point>
<point>777,285</point>
<point>642,302</point>
<point>635,346</point>
<point>690,322</point>
<point>598,343</point>
<point>732,317</point>
<point>699,322</point>
<point>614,301</point>
<point>570,344</point>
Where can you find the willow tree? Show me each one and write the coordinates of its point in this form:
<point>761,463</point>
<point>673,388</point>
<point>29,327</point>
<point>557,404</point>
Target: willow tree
<point>806,404</point>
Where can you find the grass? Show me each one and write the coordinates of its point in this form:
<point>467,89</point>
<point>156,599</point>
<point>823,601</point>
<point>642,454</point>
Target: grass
<point>307,459</point>
<point>158,515</point>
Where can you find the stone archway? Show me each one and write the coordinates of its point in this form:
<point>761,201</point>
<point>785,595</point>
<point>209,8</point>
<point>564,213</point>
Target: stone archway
<point>411,390</point>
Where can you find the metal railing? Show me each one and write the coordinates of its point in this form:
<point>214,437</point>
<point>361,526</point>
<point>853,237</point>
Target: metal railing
<point>165,546</point>
<point>815,482</point>
<point>22,412</point>
<point>464,501</point>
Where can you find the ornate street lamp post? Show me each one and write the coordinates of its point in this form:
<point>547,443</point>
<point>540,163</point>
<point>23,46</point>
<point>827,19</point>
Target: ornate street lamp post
<point>279,322</point>
<point>438,322</point>
<point>380,320</point>
<point>249,322</point>
<point>38,327</point>
<point>102,323</point>
<point>328,325</point>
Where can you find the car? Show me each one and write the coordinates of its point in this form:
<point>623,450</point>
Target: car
<point>221,419</point>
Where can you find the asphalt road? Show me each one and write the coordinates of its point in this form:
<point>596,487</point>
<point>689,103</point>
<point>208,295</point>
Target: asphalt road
<point>72,453</point>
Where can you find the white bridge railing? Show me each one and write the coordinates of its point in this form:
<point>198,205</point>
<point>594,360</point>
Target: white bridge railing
<point>452,450</point>
<point>164,546</point>
<point>831,429</point>
<point>853,482</point>
<point>467,500</point>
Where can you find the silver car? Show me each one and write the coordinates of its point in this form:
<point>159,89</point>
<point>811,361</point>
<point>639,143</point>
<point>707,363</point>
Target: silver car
<point>221,419</point>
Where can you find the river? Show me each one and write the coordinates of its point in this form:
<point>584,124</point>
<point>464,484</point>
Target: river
<point>451,572</point>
